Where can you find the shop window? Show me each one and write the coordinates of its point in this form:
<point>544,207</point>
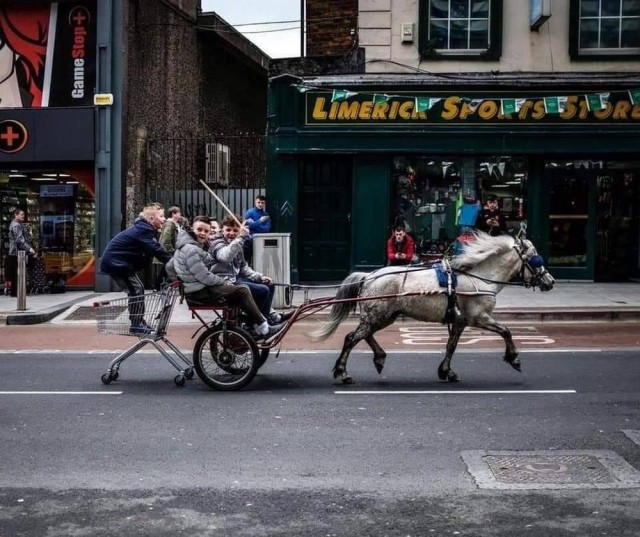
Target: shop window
<point>427,194</point>
<point>461,29</point>
<point>506,178</point>
<point>605,29</point>
<point>60,220</point>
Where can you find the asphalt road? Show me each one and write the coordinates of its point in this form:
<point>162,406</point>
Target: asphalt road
<point>295,454</point>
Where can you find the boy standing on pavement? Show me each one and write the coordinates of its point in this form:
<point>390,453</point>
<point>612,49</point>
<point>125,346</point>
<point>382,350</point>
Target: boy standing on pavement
<point>129,252</point>
<point>17,242</point>
<point>258,221</point>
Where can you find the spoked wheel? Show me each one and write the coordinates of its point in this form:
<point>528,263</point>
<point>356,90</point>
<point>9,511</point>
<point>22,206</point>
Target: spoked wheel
<point>225,359</point>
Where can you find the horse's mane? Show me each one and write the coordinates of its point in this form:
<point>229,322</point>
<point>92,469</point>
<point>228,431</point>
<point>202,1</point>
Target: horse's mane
<point>480,248</point>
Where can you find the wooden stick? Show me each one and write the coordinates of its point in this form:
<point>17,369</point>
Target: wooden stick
<point>221,202</point>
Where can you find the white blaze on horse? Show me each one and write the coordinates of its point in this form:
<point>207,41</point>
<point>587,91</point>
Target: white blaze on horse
<point>484,267</point>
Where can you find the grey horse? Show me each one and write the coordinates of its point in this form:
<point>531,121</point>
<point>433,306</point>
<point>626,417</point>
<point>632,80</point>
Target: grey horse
<point>484,267</point>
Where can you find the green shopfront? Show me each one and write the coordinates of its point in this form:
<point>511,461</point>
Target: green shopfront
<point>344,167</point>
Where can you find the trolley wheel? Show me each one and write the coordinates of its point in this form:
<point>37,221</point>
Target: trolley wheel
<point>262,357</point>
<point>225,359</point>
<point>107,378</point>
<point>188,372</point>
<point>114,374</point>
<point>180,380</point>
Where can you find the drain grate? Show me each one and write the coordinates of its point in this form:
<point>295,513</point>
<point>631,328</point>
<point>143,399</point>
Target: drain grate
<point>89,313</point>
<point>550,469</point>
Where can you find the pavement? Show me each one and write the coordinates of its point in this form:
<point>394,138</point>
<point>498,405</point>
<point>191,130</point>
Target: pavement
<point>568,301</point>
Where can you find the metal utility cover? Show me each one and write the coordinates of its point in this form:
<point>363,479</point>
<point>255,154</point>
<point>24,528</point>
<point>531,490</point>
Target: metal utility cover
<point>522,470</point>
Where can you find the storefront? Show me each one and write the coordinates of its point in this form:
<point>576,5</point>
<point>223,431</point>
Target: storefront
<point>47,133</point>
<point>351,157</point>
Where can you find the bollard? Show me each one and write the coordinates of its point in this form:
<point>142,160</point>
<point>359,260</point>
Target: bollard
<point>22,281</point>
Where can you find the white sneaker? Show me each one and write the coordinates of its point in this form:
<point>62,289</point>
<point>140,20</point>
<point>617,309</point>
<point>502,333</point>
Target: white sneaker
<point>274,317</point>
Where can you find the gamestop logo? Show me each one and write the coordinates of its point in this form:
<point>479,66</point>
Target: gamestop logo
<point>79,18</point>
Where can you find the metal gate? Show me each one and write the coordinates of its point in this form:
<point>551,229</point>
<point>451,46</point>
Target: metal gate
<point>234,166</point>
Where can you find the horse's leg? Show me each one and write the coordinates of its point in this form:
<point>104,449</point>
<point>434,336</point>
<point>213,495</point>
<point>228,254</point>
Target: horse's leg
<point>444,370</point>
<point>363,331</point>
<point>379,356</point>
<point>511,352</point>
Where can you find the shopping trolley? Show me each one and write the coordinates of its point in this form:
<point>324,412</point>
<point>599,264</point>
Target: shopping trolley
<point>145,317</point>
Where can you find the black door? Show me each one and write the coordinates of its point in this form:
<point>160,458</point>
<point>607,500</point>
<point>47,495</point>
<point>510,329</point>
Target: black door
<point>324,238</point>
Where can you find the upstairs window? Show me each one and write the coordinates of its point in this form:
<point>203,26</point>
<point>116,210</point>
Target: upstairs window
<point>461,29</point>
<point>605,29</point>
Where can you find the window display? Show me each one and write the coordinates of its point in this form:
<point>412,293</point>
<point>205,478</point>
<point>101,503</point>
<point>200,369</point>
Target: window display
<point>60,220</point>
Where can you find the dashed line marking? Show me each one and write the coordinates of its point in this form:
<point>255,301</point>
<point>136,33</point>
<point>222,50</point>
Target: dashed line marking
<point>58,393</point>
<point>455,392</point>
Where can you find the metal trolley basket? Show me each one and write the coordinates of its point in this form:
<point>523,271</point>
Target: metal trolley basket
<point>145,317</point>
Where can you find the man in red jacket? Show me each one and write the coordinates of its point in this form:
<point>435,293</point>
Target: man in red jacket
<point>400,247</point>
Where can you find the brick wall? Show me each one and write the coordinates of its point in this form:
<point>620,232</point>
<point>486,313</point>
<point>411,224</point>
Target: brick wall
<point>329,26</point>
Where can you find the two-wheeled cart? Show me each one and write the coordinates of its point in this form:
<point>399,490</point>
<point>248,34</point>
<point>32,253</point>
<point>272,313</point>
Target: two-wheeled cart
<point>145,317</point>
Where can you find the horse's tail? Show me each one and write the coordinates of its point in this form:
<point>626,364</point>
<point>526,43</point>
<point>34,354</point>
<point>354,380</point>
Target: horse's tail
<point>349,289</point>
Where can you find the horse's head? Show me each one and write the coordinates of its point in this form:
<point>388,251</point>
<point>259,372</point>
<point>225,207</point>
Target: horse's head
<point>532,272</point>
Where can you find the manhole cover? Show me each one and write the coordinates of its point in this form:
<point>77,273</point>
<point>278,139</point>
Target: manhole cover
<point>550,469</point>
<point>89,313</point>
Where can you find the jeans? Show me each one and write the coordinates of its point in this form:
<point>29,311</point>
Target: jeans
<point>262,294</point>
<point>234,295</point>
<point>135,289</point>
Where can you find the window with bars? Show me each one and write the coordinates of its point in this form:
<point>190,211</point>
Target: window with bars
<point>460,29</point>
<point>605,28</point>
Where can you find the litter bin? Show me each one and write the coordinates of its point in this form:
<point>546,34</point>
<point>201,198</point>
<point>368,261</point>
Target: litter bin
<point>271,257</point>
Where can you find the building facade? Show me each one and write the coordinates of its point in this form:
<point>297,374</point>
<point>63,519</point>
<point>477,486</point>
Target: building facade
<point>159,70</point>
<point>461,101</point>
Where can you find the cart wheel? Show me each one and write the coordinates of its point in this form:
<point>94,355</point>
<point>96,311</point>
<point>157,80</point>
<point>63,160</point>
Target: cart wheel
<point>107,378</point>
<point>262,357</point>
<point>115,374</point>
<point>180,380</point>
<point>225,359</point>
<point>188,372</point>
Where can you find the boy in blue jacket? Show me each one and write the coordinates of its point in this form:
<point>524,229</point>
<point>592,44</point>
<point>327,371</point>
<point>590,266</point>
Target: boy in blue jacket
<point>129,252</point>
<point>258,221</point>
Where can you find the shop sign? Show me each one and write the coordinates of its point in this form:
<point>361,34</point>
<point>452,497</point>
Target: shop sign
<point>362,109</point>
<point>103,99</point>
<point>56,191</point>
<point>13,136</point>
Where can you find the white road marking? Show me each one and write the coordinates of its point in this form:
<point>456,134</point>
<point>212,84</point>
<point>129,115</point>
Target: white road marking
<point>58,393</point>
<point>454,392</point>
<point>426,335</point>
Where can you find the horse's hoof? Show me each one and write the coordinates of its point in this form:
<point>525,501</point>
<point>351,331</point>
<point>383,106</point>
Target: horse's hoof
<point>346,379</point>
<point>379,367</point>
<point>452,377</point>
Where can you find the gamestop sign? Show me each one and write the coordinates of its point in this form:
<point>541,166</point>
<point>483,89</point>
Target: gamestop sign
<point>52,50</point>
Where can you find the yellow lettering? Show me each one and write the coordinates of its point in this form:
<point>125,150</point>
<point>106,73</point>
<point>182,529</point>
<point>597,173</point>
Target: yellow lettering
<point>405,110</point>
<point>621,110</point>
<point>334,110</point>
<point>524,109</point>
<point>380,111</point>
<point>570,108</point>
<point>394,110</point>
<point>348,110</point>
<point>635,112</point>
<point>450,108</point>
<point>318,109</point>
<point>538,110</point>
<point>604,113</point>
<point>465,111</point>
<point>488,109</point>
<point>584,110</point>
<point>365,110</point>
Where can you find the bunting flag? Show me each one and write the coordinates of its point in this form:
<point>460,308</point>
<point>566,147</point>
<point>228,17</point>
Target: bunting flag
<point>597,101</point>
<point>472,104</point>
<point>342,95</point>
<point>379,98</point>
<point>634,95</point>
<point>425,103</point>
<point>511,106</point>
<point>301,87</point>
<point>555,105</point>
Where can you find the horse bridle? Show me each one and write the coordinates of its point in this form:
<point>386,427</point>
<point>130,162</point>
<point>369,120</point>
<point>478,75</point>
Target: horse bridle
<point>532,264</point>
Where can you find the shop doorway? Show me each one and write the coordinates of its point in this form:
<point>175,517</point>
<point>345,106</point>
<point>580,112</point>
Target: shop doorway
<point>590,212</point>
<point>324,225</point>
